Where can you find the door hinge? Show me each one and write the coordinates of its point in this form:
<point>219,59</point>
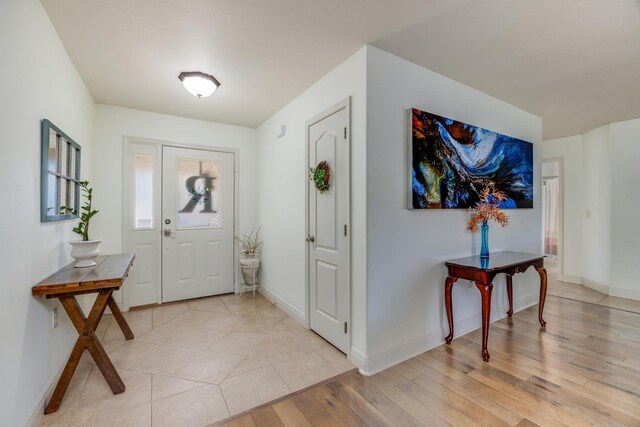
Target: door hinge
<point>345,133</point>
<point>345,229</point>
<point>345,327</point>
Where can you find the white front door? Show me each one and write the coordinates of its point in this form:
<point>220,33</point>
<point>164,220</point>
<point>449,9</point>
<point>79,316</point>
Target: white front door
<point>329,242</point>
<point>197,223</point>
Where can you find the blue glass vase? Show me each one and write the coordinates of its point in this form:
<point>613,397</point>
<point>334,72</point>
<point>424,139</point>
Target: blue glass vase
<point>484,247</point>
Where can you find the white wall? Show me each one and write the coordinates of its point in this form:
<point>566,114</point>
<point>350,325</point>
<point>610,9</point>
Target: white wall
<point>282,182</point>
<point>37,80</point>
<point>625,203</point>
<point>596,217</point>
<point>601,205</point>
<point>570,151</point>
<point>114,123</point>
<point>406,249</point>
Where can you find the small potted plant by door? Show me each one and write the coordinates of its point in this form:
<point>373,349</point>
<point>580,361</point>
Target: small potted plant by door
<point>85,249</point>
<point>249,261</point>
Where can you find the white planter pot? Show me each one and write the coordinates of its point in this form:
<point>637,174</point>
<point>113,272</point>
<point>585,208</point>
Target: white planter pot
<point>84,252</point>
<point>250,268</point>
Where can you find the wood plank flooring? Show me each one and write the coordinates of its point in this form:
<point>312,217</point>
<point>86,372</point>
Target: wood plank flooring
<point>585,294</point>
<point>584,370</point>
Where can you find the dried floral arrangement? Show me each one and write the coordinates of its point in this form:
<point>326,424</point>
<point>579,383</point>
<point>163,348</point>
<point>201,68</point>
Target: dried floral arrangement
<point>487,208</point>
<point>250,243</point>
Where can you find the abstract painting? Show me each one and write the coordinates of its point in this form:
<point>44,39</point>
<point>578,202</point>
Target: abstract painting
<point>451,162</point>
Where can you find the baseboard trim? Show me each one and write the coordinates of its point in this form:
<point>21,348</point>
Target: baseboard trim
<point>38,411</point>
<point>577,280</point>
<point>359,360</point>
<point>292,311</point>
<point>625,293</point>
<point>525,302</point>
<point>596,286</point>
<point>498,312</point>
<point>370,365</point>
<point>383,360</point>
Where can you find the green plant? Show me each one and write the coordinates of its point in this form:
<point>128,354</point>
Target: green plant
<point>85,214</point>
<point>250,243</point>
<point>320,176</point>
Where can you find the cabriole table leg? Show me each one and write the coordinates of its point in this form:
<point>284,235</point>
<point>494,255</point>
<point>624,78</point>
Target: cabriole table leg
<point>485,291</point>
<point>447,296</point>
<point>510,294</point>
<point>543,294</point>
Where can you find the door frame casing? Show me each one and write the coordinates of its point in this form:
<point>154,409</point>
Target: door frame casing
<point>345,104</point>
<point>127,142</point>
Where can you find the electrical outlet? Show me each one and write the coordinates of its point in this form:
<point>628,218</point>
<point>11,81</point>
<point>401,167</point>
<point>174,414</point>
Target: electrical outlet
<point>54,317</point>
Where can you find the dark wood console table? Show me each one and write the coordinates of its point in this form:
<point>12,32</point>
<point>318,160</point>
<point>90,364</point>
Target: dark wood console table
<point>482,271</point>
<point>105,277</point>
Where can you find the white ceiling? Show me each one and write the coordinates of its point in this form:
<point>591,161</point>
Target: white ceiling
<point>576,63</point>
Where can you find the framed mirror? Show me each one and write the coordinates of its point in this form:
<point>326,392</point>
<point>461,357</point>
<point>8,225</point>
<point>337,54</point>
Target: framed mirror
<point>59,174</point>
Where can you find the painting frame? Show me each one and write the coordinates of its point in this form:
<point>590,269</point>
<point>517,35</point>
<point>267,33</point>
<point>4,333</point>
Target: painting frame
<point>514,157</point>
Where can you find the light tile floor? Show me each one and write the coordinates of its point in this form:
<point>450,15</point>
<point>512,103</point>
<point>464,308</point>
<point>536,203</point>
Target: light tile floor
<point>585,294</point>
<point>197,362</point>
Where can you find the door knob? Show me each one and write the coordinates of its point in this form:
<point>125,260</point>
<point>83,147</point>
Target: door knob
<point>167,232</point>
<point>311,238</point>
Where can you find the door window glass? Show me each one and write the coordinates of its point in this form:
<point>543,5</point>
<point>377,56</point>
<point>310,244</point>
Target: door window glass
<point>199,193</point>
<point>143,167</point>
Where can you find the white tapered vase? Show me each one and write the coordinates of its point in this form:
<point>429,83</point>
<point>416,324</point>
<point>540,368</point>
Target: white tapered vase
<point>84,251</point>
<point>250,268</point>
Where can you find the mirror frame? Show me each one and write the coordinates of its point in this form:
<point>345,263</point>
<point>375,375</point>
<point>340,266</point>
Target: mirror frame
<point>73,177</point>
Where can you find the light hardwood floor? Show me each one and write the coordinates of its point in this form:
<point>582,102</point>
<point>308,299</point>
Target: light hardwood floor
<point>585,294</point>
<point>583,370</point>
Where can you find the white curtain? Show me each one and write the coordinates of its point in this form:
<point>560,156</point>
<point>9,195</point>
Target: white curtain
<point>550,187</point>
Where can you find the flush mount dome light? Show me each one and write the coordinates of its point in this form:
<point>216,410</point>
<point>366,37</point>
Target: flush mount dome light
<point>199,84</point>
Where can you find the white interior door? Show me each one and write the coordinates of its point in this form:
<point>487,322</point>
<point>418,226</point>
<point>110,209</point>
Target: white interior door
<point>197,223</point>
<point>329,242</point>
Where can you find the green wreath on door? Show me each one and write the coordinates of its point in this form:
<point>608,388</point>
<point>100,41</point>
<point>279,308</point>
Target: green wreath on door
<point>320,176</point>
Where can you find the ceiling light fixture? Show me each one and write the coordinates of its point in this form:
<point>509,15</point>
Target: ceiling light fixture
<point>199,84</point>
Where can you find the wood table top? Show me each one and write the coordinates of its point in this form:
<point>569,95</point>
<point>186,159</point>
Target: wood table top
<point>496,260</point>
<point>109,272</point>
